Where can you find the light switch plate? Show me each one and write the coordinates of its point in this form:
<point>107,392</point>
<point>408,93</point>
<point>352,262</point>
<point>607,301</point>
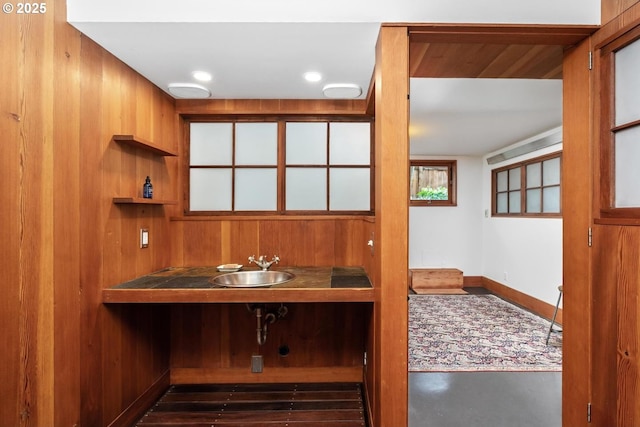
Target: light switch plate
<point>144,238</point>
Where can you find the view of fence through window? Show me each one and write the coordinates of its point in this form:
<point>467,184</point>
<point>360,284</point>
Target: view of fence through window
<point>429,183</point>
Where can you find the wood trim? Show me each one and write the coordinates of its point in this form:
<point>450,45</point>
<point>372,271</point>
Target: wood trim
<point>141,405</point>
<point>503,33</point>
<point>268,375</point>
<point>244,107</point>
<point>472,281</point>
<point>237,295</point>
<point>532,304</point>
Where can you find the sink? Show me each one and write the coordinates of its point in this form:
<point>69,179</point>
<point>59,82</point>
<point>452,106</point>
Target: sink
<point>252,279</point>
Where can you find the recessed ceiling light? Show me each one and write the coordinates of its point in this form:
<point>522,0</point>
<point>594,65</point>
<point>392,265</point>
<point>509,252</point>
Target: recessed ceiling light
<point>188,90</point>
<point>202,76</point>
<point>342,90</point>
<point>312,76</point>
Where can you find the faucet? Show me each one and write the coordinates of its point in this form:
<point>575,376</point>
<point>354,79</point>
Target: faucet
<point>262,261</point>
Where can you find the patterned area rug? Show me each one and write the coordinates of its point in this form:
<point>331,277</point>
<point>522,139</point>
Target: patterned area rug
<point>478,333</point>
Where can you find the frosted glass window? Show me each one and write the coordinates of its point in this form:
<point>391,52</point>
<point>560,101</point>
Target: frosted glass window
<point>551,200</point>
<point>306,143</point>
<point>533,201</point>
<point>627,168</point>
<point>627,86</point>
<point>514,179</point>
<point>349,189</point>
<point>210,144</point>
<point>256,144</point>
<point>503,181</point>
<point>306,189</point>
<point>502,203</point>
<point>210,189</point>
<point>514,202</point>
<point>551,172</point>
<point>534,177</point>
<point>256,190</point>
<point>349,143</point>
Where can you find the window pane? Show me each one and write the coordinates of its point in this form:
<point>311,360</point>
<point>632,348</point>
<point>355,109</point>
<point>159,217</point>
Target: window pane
<point>627,90</point>
<point>551,172</point>
<point>210,144</point>
<point>627,168</point>
<point>306,189</point>
<point>210,189</point>
<point>514,179</point>
<point>533,175</point>
<point>533,201</point>
<point>256,143</point>
<point>255,190</point>
<point>514,202</point>
<point>429,182</point>
<point>503,181</point>
<point>306,143</point>
<point>349,189</point>
<point>551,200</point>
<point>350,143</point>
<point>502,205</point>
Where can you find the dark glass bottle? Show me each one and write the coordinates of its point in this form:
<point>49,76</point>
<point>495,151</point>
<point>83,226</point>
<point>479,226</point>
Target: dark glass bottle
<point>147,189</point>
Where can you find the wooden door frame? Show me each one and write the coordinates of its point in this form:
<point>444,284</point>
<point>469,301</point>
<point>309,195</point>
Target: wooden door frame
<point>390,319</point>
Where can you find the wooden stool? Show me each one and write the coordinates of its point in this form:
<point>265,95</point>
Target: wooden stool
<point>553,319</point>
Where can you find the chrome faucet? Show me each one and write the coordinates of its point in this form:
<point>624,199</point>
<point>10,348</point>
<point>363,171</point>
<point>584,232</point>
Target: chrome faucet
<point>262,261</point>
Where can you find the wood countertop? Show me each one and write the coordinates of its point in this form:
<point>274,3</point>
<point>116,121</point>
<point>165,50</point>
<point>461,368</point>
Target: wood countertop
<point>193,285</point>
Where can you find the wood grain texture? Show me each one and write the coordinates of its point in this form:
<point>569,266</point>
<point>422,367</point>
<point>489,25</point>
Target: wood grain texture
<point>577,161</point>
<point>612,9</point>
<point>389,391</point>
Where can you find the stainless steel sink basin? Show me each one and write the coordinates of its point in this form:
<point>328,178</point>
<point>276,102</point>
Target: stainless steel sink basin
<point>252,279</point>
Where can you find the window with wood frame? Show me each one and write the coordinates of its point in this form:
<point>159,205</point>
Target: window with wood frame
<point>280,167</point>
<point>432,182</point>
<point>620,130</point>
<point>529,188</point>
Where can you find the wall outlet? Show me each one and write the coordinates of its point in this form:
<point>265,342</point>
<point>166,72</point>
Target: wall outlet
<point>256,363</point>
<point>506,276</point>
<point>144,238</point>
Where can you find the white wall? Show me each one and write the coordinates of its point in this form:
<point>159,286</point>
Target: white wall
<point>527,250</point>
<point>450,237</point>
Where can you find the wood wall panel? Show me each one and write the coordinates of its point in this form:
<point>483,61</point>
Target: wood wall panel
<point>68,360</point>
<point>610,9</point>
<point>577,162</point>
<point>616,361</point>
<point>298,242</point>
<point>223,336</point>
<point>124,350</point>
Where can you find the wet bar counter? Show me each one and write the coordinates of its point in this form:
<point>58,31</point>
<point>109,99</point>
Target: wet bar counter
<point>193,285</point>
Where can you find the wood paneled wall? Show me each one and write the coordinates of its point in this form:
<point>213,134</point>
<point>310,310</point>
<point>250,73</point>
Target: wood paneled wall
<point>611,9</point>
<point>208,339</point>
<point>69,360</point>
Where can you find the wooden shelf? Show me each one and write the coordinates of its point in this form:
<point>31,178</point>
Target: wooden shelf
<point>142,201</point>
<point>136,142</point>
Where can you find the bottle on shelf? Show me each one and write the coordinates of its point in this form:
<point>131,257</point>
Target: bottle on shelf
<point>147,189</point>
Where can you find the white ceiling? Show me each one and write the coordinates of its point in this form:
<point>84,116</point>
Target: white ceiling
<point>260,50</point>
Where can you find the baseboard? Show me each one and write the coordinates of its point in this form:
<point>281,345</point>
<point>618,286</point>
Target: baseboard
<point>472,281</point>
<point>268,375</point>
<point>141,405</point>
<point>532,304</point>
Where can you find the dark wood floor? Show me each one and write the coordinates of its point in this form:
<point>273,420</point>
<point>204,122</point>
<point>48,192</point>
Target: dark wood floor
<point>259,405</point>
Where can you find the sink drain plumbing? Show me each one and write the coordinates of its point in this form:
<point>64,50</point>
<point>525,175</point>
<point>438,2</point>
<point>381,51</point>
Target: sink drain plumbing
<point>266,317</point>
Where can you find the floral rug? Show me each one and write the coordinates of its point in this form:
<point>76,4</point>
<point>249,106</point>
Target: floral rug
<point>478,333</point>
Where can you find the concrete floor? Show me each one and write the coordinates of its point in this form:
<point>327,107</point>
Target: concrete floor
<point>485,399</point>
